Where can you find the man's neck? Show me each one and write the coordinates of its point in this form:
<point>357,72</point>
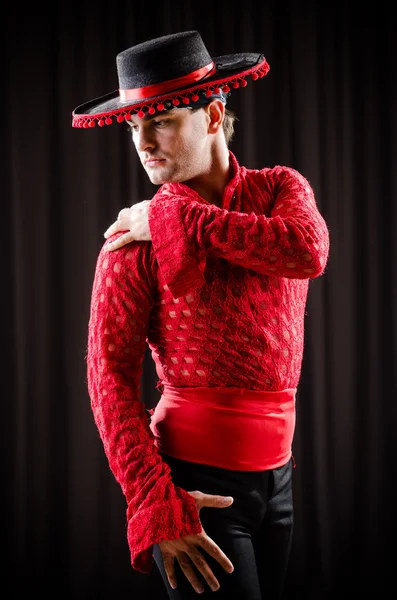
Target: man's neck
<point>211,185</point>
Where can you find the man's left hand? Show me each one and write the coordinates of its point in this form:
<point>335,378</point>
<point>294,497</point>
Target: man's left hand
<point>134,221</point>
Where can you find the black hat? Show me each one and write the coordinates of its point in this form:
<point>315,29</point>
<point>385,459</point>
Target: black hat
<point>172,70</point>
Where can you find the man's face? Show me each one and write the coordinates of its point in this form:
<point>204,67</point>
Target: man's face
<point>173,146</point>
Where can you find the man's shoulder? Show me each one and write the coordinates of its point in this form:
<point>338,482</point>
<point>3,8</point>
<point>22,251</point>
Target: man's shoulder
<point>271,172</point>
<point>274,177</point>
<point>136,257</point>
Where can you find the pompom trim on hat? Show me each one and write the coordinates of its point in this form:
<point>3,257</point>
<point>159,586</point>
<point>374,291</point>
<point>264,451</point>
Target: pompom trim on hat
<point>183,97</point>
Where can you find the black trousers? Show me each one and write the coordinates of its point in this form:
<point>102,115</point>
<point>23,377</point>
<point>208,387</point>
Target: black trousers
<point>255,532</point>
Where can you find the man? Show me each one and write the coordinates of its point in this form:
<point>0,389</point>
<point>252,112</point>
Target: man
<point>213,275</point>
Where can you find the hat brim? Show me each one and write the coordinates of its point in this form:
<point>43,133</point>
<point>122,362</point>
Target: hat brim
<point>231,70</point>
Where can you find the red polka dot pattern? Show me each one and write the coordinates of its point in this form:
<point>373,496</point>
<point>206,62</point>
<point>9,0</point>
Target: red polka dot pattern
<point>219,297</point>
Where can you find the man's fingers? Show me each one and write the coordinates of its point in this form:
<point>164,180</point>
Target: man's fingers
<point>213,550</point>
<point>212,500</point>
<point>191,575</point>
<point>125,213</point>
<point>122,225</point>
<point>217,501</point>
<point>187,552</point>
<point>201,564</point>
<point>169,566</point>
<point>121,241</point>
<point>112,229</point>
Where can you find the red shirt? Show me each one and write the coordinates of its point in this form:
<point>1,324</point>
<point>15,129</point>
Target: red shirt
<point>219,296</point>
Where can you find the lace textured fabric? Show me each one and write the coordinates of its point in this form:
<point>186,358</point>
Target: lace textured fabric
<point>219,296</point>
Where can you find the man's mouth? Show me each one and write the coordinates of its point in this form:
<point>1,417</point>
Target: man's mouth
<point>153,162</point>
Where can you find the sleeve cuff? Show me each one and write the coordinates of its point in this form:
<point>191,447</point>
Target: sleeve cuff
<point>164,520</point>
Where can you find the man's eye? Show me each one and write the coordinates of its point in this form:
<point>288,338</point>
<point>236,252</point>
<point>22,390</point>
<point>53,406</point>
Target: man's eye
<point>161,123</point>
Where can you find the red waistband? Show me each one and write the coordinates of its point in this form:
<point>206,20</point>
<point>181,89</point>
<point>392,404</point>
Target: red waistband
<point>228,427</point>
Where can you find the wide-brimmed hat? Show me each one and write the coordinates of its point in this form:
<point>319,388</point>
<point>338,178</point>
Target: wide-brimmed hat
<point>170,71</point>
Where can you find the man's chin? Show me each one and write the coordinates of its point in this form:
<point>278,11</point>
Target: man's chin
<point>156,180</point>
<point>159,179</point>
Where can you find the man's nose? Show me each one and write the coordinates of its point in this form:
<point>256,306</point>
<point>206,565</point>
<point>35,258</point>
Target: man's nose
<point>144,140</point>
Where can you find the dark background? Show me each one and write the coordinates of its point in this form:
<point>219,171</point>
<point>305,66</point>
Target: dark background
<point>328,109</point>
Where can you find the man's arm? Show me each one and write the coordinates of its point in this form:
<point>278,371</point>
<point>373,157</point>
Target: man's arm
<point>292,242</point>
<point>121,304</point>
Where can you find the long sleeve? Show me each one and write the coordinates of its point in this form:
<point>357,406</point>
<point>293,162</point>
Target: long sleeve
<point>292,241</point>
<point>121,304</point>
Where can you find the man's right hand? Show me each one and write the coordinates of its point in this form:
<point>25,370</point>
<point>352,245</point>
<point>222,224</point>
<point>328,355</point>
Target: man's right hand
<point>186,549</point>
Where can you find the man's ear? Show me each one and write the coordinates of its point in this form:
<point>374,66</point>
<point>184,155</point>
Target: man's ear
<point>216,112</point>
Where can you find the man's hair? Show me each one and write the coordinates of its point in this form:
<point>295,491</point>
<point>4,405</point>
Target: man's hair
<point>228,125</point>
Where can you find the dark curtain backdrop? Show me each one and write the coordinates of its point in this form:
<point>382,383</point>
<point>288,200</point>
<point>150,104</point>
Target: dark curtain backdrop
<point>328,109</point>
